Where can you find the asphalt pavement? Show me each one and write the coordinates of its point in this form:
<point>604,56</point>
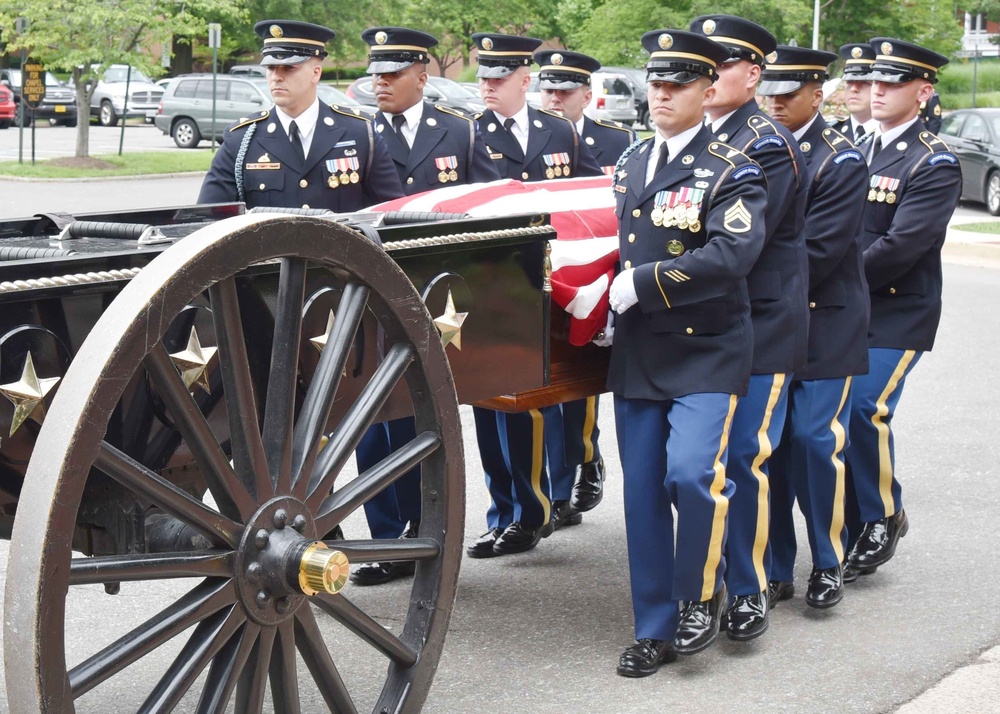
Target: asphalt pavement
<point>541,632</point>
<point>57,141</point>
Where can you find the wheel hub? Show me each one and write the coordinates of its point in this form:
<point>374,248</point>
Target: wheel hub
<point>280,562</point>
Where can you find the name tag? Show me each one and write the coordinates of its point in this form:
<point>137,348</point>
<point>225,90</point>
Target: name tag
<point>496,156</point>
<point>620,189</point>
<point>265,167</point>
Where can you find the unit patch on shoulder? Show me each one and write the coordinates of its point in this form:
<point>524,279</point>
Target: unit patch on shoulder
<point>737,218</point>
<point>851,155</point>
<point>746,171</point>
<point>938,158</point>
<point>769,140</point>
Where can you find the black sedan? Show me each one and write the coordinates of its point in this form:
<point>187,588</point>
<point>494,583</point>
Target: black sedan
<point>974,136</point>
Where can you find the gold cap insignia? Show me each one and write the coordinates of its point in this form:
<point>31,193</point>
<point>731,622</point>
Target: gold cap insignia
<point>276,31</point>
<point>771,58</point>
<point>886,48</point>
<point>380,38</point>
<point>856,52</point>
<point>708,27</point>
<point>557,58</point>
<point>487,43</point>
<point>665,41</point>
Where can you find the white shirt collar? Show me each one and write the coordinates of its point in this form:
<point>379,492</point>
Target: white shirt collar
<point>890,136</point>
<point>801,131</point>
<point>520,128</point>
<point>579,125</point>
<point>717,124</point>
<point>411,121</point>
<point>675,147</point>
<point>305,122</point>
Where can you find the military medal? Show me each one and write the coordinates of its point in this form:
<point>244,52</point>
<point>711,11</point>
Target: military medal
<point>695,227</point>
<point>557,170</point>
<point>660,211</point>
<point>871,195</point>
<point>890,198</point>
<point>675,247</point>
<point>443,177</point>
<point>332,181</point>
<point>565,160</point>
<point>873,184</point>
<point>680,213</point>
<point>657,216</point>
<point>453,175</point>
<point>345,179</point>
<point>890,190</point>
<point>355,177</point>
<point>443,163</point>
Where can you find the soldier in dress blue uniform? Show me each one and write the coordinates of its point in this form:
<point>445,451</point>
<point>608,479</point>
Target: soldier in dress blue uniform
<point>690,211</point>
<point>432,146</point>
<point>564,81</point>
<point>300,152</point>
<point>914,186</point>
<point>858,60</point>
<point>530,145</point>
<point>778,286</point>
<point>809,463</point>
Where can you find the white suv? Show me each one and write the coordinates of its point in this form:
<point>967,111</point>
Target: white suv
<point>108,101</point>
<point>613,97</point>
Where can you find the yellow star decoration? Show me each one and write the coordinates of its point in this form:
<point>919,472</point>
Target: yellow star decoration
<point>450,324</point>
<point>28,395</point>
<point>319,341</point>
<point>193,361</point>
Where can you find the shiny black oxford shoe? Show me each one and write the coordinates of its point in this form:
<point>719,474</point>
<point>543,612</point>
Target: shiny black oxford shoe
<point>698,625</point>
<point>747,617</point>
<point>381,573</point>
<point>518,538</point>
<point>564,514</point>
<point>826,587</point>
<point>588,486</point>
<point>482,547</point>
<point>778,590</point>
<point>877,543</point>
<point>645,657</point>
<point>851,573</point>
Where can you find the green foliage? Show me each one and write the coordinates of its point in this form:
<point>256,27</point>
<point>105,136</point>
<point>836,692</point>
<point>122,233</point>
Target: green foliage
<point>133,164</point>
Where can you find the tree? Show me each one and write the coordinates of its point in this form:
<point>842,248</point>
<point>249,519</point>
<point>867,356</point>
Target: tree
<point>77,35</point>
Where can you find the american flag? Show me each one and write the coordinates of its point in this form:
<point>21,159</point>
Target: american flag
<point>583,215</point>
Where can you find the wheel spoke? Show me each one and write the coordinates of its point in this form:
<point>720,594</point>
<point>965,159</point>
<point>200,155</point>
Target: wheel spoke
<point>210,636</point>
<point>226,669</point>
<point>201,602</point>
<point>364,626</point>
<point>175,501</point>
<point>283,378</point>
<point>316,409</point>
<point>317,658</point>
<point>346,500</point>
<point>252,685</point>
<point>284,681</point>
<point>150,566</point>
<point>227,489</point>
<point>356,421</point>
<point>379,551</point>
<point>237,384</point>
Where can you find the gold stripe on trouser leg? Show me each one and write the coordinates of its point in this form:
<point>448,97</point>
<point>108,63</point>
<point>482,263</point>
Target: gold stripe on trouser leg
<point>881,411</point>
<point>721,509</point>
<point>538,460</point>
<point>837,457</point>
<point>764,451</point>
<point>588,430</point>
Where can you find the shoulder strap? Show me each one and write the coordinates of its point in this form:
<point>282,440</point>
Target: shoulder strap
<point>240,157</point>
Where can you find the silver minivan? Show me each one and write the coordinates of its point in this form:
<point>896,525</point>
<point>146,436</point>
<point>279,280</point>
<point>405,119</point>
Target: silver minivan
<point>612,97</point>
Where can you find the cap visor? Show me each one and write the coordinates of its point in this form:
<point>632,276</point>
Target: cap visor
<point>493,71</point>
<point>282,58</point>
<point>777,88</point>
<point>387,67</point>
<point>672,76</point>
<point>857,77</point>
<point>558,84</point>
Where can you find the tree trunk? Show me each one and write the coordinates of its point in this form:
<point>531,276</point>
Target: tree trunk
<point>82,114</point>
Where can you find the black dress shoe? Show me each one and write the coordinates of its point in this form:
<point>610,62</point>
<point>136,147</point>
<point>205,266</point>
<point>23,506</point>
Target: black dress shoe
<point>518,538</point>
<point>645,657</point>
<point>380,573</point>
<point>482,547</point>
<point>778,590</point>
<point>826,588</point>
<point>877,543</point>
<point>851,573</point>
<point>698,625</point>
<point>747,617</point>
<point>588,486</point>
<point>563,514</point>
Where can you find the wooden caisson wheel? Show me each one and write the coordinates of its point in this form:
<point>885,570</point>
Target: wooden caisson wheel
<point>228,620</point>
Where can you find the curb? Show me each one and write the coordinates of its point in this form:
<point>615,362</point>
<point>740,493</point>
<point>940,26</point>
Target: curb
<point>972,689</point>
<point>85,179</point>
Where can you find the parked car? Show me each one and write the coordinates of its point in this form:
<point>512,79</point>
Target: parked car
<point>613,97</point>
<point>185,111</point>
<point>974,136</point>
<point>7,107</point>
<point>637,79</point>
<point>108,101</point>
<point>437,90</point>
<point>58,105</point>
<point>248,70</point>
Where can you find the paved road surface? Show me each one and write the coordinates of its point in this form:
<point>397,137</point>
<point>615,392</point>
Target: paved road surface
<point>55,141</point>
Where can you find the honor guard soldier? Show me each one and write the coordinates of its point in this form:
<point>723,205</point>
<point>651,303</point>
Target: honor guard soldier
<point>564,81</point>
<point>914,186</point>
<point>778,287</point>
<point>690,211</point>
<point>300,153</point>
<point>530,145</point>
<point>432,146</point>
<point>858,61</point>
<point>809,463</point>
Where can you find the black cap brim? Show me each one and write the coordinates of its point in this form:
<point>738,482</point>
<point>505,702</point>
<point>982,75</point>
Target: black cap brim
<point>672,76</point>
<point>282,58</point>
<point>564,84</point>
<point>486,71</point>
<point>776,88</point>
<point>889,77</point>
<point>388,66</point>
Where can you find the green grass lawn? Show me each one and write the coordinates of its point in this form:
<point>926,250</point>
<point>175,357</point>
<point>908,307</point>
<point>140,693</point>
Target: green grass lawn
<point>131,164</point>
<point>979,227</point>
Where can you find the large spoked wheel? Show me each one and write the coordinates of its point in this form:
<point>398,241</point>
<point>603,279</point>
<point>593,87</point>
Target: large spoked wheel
<point>228,620</point>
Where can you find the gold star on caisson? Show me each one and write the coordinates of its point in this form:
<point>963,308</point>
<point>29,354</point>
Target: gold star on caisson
<point>28,395</point>
<point>319,341</point>
<point>450,324</point>
<point>192,362</point>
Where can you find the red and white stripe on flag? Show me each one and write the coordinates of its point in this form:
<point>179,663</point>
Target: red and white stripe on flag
<point>583,215</point>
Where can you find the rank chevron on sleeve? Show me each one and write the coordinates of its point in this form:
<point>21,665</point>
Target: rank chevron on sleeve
<point>737,218</point>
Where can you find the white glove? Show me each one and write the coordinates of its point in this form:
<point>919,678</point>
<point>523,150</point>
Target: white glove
<point>622,294</point>
<point>605,337</point>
